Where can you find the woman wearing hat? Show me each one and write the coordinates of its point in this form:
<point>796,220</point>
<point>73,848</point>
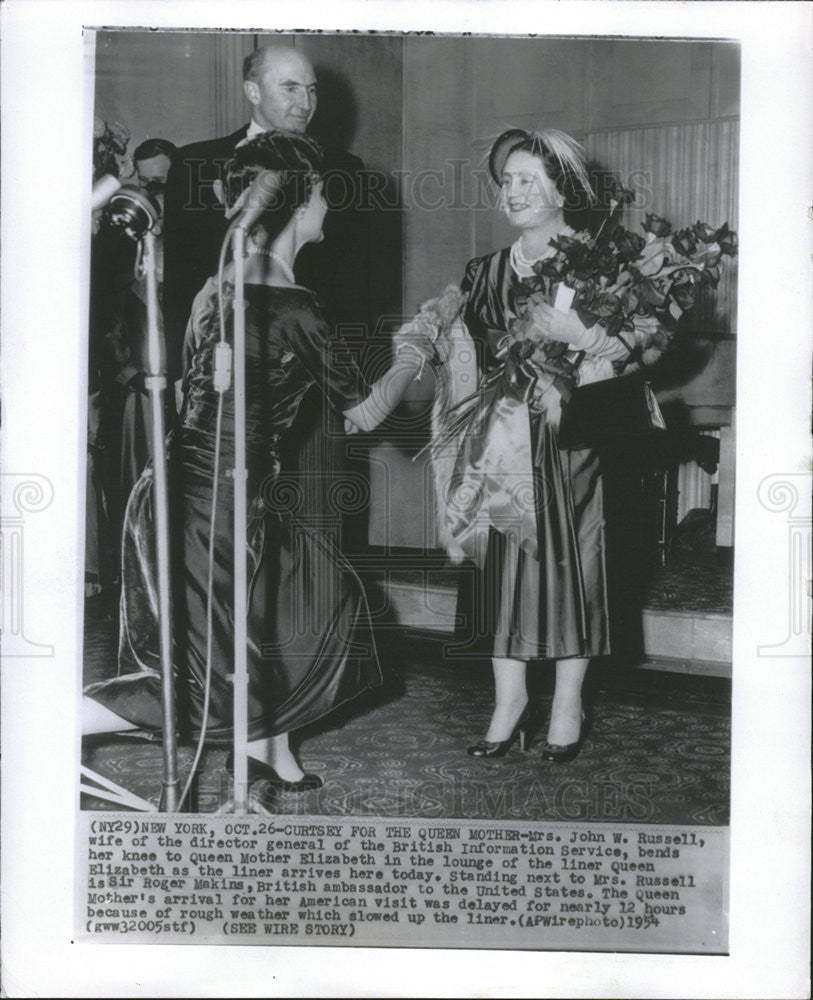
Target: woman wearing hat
<point>310,645</point>
<point>543,557</point>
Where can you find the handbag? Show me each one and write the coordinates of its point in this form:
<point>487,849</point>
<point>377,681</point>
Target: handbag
<point>623,407</point>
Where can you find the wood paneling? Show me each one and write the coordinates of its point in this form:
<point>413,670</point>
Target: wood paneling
<point>360,109</point>
<point>726,80</point>
<point>648,82</point>
<point>360,93</point>
<point>231,106</point>
<point>167,84</point>
<point>436,189</point>
<point>438,163</point>
<point>532,83</point>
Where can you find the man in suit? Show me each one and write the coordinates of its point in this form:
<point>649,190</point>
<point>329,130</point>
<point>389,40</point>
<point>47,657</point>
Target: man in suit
<point>280,85</point>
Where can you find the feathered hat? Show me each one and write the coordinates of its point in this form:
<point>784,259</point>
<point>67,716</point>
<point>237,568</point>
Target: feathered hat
<point>568,153</point>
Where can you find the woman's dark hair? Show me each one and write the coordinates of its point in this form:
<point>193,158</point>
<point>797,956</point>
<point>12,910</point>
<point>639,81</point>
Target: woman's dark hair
<point>295,159</point>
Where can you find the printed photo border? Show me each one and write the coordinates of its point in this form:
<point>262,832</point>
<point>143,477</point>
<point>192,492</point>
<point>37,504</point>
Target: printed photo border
<point>40,699</point>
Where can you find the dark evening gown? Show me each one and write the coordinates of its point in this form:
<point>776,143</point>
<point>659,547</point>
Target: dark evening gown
<point>310,643</point>
<point>545,598</point>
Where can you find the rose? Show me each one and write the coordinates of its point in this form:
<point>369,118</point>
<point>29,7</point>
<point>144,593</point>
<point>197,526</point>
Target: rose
<point>649,293</point>
<point>684,242</point>
<point>582,262</point>
<point>629,302</point>
<point>567,244</point>
<point>552,267</point>
<point>710,275</point>
<point>583,305</point>
<point>703,232</point>
<point>119,136</point>
<point>606,263</point>
<point>606,305</point>
<point>727,240</point>
<point>684,293</point>
<point>709,257</point>
<point>656,225</point>
<point>629,245</point>
<point>110,150</point>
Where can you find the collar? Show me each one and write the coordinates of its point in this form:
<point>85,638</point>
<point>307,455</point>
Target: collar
<point>253,130</point>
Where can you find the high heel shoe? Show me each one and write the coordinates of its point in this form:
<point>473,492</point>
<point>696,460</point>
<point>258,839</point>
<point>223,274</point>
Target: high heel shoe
<point>562,753</point>
<point>260,771</point>
<point>524,730</point>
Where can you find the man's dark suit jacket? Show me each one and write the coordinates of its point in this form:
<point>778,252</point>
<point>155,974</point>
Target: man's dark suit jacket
<point>195,224</point>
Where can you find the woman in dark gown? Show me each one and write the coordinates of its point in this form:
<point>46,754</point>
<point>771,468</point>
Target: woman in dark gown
<point>310,645</point>
<point>545,568</point>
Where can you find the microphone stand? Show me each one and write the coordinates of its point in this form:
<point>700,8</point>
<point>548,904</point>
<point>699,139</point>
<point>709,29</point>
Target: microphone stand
<point>156,384</point>
<point>240,801</point>
<point>240,676</point>
<point>138,225</point>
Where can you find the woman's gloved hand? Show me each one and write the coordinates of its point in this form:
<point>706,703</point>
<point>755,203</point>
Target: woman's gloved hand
<point>565,327</point>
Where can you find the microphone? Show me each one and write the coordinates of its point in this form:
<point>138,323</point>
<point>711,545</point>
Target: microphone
<point>259,197</point>
<point>132,209</point>
<point>103,190</point>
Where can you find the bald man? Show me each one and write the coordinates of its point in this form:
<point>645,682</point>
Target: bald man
<point>280,86</point>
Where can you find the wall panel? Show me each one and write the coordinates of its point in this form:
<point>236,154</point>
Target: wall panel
<point>647,82</point>
<point>436,191</point>
<point>177,85</point>
<point>230,105</point>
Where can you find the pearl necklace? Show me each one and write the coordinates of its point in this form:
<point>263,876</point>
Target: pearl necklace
<point>283,264</point>
<point>525,267</point>
<point>520,263</point>
<point>520,257</point>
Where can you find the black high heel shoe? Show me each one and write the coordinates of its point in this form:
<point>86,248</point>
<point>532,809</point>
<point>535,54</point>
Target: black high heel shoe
<point>260,771</point>
<point>562,753</point>
<point>524,731</point>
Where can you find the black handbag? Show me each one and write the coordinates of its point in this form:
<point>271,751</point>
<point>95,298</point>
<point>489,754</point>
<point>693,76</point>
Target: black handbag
<point>614,408</point>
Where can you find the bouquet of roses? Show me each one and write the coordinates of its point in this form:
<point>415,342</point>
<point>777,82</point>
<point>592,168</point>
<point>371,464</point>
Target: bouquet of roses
<point>110,154</point>
<point>636,287</point>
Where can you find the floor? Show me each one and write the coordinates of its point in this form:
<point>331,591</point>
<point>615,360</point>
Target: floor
<point>657,748</point>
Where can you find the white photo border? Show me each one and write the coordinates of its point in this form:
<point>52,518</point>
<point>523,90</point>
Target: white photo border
<point>47,123</point>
